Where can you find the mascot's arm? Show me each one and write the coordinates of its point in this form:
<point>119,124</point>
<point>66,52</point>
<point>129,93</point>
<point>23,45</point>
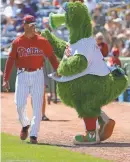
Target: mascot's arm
<point>72,65</point>
<point>57,44</point>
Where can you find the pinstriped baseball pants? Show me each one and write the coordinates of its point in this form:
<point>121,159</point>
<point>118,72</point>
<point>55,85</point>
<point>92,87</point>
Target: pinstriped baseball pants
<point>29,83</point>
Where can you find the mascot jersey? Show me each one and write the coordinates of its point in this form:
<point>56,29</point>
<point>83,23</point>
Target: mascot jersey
<point>89,48</point>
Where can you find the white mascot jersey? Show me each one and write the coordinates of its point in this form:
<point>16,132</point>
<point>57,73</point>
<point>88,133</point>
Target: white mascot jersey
<point>88,48</point>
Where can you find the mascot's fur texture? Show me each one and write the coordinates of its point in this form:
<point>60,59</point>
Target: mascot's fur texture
<point>88,93</point>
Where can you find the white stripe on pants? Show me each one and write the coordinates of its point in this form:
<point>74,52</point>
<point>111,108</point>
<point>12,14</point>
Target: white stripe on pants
<point>30,83</point>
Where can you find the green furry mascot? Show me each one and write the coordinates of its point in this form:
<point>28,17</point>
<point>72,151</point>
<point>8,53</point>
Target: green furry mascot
<point>84,81</point>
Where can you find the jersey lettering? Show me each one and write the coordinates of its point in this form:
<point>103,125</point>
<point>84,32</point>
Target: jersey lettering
<point>32,51</point>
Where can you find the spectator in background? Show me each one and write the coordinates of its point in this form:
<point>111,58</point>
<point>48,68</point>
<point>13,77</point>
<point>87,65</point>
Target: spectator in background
<point>27,10</point>
<point>118,26</point>
<point>19,21</point>
<point>91,4</point>
<point>127,33</point>
<point>98,19</point>
<point>61,10</point>
<point>109,31</point>
<point>56,3</point>
<point>45,3</point>
<point>10,10</point>
<point>32,3</point>
<point>10,14</point>
<point>114,58</point>
<point>102,45</point>
<point>120,44</point>
<point>114,14</point>
<point>45,21</point>
<point>126,50</point>
<point>109,25</point>
<point>127,43</point>
<point>127,19</point>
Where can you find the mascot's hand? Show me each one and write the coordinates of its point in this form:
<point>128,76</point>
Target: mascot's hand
<point>45,33</point>
<point>72,65</point>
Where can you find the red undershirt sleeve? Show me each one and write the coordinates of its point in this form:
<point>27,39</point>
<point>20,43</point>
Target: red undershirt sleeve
<point>10,62</point>
<point>49,53</point>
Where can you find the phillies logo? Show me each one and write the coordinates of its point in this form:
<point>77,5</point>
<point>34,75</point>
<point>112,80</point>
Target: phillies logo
<point>92,135</point>
<point>21,51</point>
<point>32,51</point>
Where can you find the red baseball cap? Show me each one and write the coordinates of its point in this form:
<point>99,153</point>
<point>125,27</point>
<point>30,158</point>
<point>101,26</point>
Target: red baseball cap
<point>29,19</point>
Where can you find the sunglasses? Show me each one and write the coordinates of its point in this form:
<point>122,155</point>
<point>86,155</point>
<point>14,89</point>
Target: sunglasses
<point>25,22</point>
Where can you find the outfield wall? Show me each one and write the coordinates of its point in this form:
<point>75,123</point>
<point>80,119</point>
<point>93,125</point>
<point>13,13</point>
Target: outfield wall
<point>125,61</point>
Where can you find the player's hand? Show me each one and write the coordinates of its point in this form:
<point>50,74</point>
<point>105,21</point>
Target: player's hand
<point>6,86</point>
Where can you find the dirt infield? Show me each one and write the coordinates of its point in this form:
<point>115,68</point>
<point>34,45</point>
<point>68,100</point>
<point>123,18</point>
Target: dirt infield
<point>65,124</point>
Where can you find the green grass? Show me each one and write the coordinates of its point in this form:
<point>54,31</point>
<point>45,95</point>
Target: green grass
<point>13,150</point>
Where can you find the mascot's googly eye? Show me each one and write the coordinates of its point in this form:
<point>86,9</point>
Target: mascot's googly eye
<point>65,6</point>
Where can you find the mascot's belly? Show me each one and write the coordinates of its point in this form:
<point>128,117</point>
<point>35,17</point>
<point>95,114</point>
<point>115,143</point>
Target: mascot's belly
<point>89,93</point>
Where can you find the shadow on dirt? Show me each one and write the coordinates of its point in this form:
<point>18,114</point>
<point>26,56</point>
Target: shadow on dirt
<point>59,120</point>
<point>109,144</point>
<point>58,145</point>
<point>106,144</point>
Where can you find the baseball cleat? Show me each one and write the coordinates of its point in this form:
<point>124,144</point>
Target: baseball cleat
<point>33,140</point>
<point>106,126</point>
<point>24,132</point>
<point>92,137</point>
<point>45,118</point>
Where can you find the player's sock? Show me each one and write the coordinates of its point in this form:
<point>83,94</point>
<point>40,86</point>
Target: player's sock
<point>90,123</point>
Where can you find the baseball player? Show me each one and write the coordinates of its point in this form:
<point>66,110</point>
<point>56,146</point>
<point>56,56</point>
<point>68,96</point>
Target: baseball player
<point>28,52</point>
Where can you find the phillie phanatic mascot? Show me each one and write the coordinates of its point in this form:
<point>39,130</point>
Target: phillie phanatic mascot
<point>84,81</point>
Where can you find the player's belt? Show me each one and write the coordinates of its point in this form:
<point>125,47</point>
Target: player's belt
<point>29,69</point>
